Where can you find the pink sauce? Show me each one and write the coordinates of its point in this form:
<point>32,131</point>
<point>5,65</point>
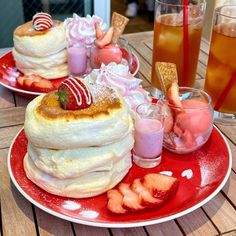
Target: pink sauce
<point>77,60</point>
<point>148,138</point>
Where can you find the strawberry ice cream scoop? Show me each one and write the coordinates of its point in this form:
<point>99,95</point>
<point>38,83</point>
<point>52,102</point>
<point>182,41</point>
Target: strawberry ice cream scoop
<point>105,55</point>
<point>191,119</point>
<point>194,119</point>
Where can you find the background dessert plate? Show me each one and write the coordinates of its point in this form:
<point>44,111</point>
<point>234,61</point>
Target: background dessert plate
<point>7,60</point>
<point>202,175</point>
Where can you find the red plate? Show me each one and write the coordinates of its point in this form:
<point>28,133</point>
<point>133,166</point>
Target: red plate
<point>7,60</point>
<point>202,174</point>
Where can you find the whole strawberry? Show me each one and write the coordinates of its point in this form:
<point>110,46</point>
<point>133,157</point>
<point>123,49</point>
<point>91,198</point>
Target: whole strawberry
<point>74,95</point>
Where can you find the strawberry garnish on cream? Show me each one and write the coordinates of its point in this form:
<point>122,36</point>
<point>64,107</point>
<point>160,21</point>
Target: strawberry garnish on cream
<point>42,21</point>
<point>74,94</point>
<point>103,39</point>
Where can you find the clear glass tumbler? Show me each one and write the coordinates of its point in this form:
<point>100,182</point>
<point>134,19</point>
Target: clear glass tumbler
<point>221,69</point>
<point>177,37</point>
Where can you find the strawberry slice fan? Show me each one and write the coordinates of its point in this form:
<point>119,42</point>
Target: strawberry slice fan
<point>185,42</point>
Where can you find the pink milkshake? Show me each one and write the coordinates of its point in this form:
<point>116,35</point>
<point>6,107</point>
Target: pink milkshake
<point>149,132</point>
<point>77,60</point>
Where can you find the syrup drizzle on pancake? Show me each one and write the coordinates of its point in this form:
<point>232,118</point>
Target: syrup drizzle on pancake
<point>72,85</point>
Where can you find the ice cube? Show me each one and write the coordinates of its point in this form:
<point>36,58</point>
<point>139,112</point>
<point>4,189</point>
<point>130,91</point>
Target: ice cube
<point>171,40</point>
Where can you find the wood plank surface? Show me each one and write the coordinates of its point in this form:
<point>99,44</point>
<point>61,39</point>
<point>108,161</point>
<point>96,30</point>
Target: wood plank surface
<point>16,211</point>
<point>221,212</point>
<point>7,134</point>
<point>50,225</point>
<point>89,230</point>
<point>137,231</point>
<point>163,229</point>
<point>12,116</point>
<point>197,223</point>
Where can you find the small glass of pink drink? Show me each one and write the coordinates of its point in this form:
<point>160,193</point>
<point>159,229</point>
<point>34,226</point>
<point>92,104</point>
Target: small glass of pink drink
<point>149,132</point>
<point>77,60</point>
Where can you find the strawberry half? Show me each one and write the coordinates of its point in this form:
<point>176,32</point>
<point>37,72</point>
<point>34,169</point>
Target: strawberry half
<point>74,95</point>
<point>98,30</point>
<point>173,95</point>
<point>162,187</point>
<point>104,39</point>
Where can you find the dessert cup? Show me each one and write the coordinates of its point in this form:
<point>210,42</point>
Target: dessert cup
<point>118,53</point>
<point>188,127</point>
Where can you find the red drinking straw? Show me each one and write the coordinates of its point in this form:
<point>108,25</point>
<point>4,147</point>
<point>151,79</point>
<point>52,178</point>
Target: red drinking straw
<point>185,42</point>
<point>225,92</point>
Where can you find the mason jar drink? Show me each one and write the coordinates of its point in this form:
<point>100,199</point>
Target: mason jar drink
<point>176,39</point>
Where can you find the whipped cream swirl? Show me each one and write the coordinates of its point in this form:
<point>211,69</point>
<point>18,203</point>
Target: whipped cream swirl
<point>118,77</point>
<point>81,30</point>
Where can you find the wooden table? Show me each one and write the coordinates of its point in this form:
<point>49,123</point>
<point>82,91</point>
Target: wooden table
<point>20,217</point>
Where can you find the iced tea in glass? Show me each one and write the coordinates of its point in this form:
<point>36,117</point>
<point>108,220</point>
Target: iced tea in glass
<point>221,70</point>
<point>168,43</point>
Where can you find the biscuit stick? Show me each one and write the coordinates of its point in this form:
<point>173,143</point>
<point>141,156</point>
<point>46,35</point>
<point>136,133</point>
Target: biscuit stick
<point>167,74</point>
<point>118,22</point>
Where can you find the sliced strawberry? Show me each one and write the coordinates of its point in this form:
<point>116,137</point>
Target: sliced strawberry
<point>105,39</point>
<point>74,94</point>
<point>161,186</point>
<point>20,80</point>
<point>188,139</point>
<point>115,201</point>
<point>173,95</point>
<point>145,196</point>
<point>131,199</point>
<point>98,30</point>
<point>43,86</point>
<point>27,80</point>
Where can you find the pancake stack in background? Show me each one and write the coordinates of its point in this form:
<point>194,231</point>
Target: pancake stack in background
<point>78,153</point>
<point>40,47</point>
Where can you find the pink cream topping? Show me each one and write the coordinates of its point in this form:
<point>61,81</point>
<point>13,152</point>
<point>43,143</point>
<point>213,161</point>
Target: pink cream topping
<point>118,77</point>
<point>81,30</point>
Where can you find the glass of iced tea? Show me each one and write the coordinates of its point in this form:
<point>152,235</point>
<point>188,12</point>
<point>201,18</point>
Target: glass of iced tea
<point>177,37</point>
<point>221,70</point>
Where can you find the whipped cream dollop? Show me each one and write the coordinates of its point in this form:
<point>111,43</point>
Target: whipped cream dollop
<point>81,30</point>
<point>118,77</point>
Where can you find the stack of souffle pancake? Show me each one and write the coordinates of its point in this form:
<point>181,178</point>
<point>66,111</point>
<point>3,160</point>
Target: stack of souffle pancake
<point>78,153</point>
<point>41,52</point>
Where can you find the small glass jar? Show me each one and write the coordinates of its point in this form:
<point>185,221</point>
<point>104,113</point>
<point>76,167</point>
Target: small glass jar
<point>189,127</point>
<point>118,53</point>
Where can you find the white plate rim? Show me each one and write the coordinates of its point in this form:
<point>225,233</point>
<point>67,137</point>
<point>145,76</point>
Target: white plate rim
<point>121,225</point>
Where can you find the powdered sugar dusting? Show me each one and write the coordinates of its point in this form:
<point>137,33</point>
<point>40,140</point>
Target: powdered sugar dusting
<point>209,168</point>
<point>101,93</point>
